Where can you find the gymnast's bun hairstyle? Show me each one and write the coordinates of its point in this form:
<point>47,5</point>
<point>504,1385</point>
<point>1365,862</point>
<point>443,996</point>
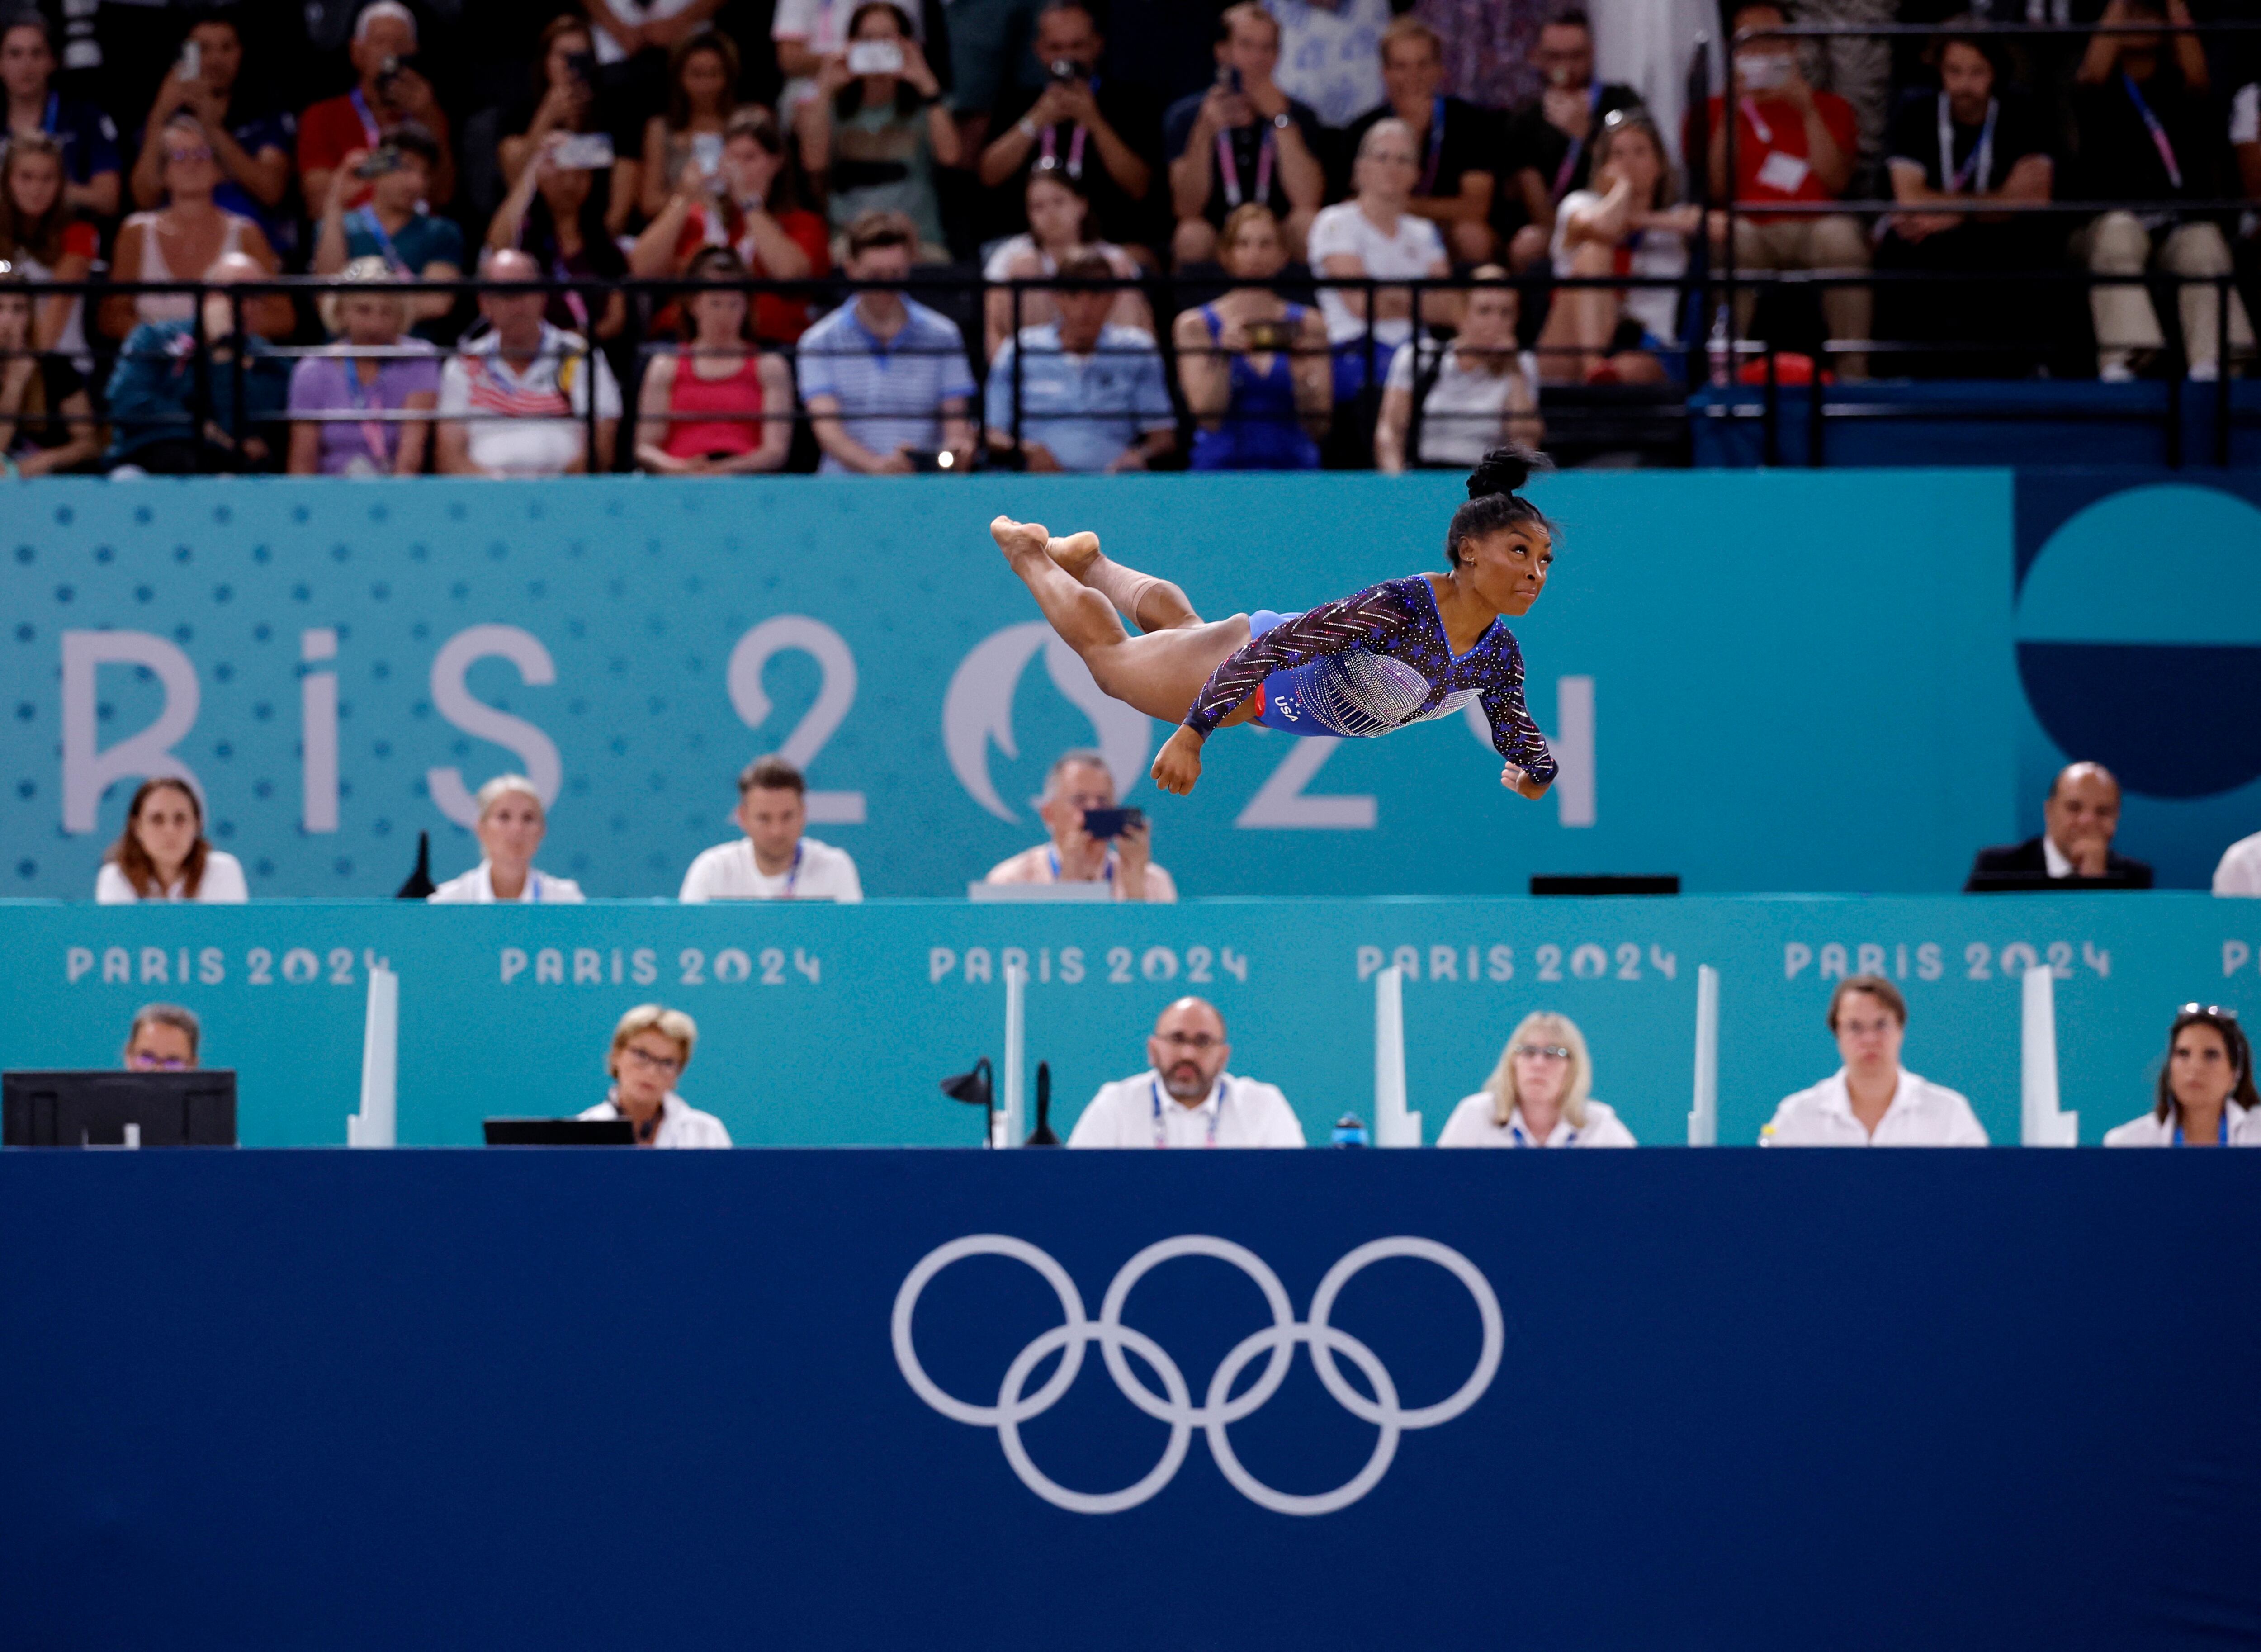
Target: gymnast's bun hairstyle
<point>1496,500</point>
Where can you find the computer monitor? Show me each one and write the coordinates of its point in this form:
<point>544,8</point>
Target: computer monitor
<point>560,1132</point>
<point>111,1108</point>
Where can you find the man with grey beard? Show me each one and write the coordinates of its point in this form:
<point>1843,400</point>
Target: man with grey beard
<point>1186,1098</point>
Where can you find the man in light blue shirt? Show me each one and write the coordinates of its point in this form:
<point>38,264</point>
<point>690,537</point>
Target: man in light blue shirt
<point>883,377</point>
<point>1092,396</point>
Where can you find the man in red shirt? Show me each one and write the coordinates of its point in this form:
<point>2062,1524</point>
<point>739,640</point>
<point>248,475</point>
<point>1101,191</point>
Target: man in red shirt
<point>1791,144</point>
<point>389,92</point>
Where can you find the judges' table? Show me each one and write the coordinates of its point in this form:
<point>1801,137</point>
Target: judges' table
<point>599,1398</point>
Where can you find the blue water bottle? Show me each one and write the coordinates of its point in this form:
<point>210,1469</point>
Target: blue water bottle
<point>1350,1131</point>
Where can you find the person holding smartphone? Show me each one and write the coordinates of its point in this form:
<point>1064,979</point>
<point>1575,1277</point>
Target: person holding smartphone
<point>1093,841</point>
<point>251,145</point>
<point>414,244</point>
<point>388,89</point>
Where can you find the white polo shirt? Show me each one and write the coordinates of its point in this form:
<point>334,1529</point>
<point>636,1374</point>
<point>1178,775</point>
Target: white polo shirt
<point>476,888</point>
<point>680,1124</point>
<point>1473,1124</point>
<point>728,872</point>
<point>2151,1130</point>
<point>1922,1115</point>
<point>1138,1112</point>
<point>222,884</point>
<point>2240,871</point>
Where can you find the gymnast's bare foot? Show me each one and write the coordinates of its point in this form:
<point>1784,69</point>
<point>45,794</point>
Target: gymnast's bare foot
<point>1020,540</point>
<point>1076,553</point>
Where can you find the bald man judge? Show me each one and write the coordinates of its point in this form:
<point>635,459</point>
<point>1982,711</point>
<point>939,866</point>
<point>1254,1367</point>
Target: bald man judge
<point>2074,851</point>
<point>1185,1098</point>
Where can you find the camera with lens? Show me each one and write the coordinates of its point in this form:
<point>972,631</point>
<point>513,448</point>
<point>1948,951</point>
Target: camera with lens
<point>1065,70</point>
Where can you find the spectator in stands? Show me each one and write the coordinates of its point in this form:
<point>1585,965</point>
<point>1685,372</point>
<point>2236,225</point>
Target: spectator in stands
<point>1077,783</point>
<point>160,387</point>
<point>719,405</point>
<point>511,826</point>
<point>1331,56</point>
<point>635,42</point>
<point>876,138</point>
<point>1872,1100</point>
<point>1457,183</point>
<point>1538,1095</point>
<point>566,98</point>
<point>388,89</point>
<point>2149,132</point>
<point>1489,48</point>
<point>2206,1095</point>
<point>650,1048</point>
<point>47,420</point>
<point>187,234</point>
<point>367,375</point>
<point>252,144</point>
<point>514,401</point>
<point>1059,220</point>
<point>555,215</point>
<point>163,854</point>
<point>1254,368</point>
<point>806,33</point>
<point>1551,137</point>
<point>1974,142</point>
<point>1625,225</point>
<point>883,377</point>
<point>702,95</point>
<point>1185,1098</point>
<point>1791,144</point>
<point>2079,817</point>
<point>1243,141</point>
<point>163,1039</point>
<point>1448,404</point>
<point>393,226</point>
<point>775,860</point>
<point>44,241</point>
<point>746,204</point>
<point>85,135</point>
<point>2239,872</point>
<point>1084,396</point>
<point>1372,234</point>
<point>1102,134</point>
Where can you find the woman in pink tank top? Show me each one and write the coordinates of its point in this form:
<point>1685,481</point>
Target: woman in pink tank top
<point>718,405</point>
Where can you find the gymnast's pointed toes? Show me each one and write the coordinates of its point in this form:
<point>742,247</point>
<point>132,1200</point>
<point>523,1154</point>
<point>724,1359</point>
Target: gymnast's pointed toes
<point>1018,538</point>
<point>1075,553</point>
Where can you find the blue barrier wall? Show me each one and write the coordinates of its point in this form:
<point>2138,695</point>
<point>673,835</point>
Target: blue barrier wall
<point>831,1025</point>
<point>602,1400</point>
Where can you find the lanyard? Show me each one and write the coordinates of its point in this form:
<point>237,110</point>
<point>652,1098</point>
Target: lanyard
<point>1750,109</point>
<point>2158,133</point>
<point>1216,1112</point>
<point>372,430</point>
<point>1521,1140</point>
<point>365,218</point>
<point>1106,870</point>
<point>793,873</point>
<point>573,300</point>
<point>369,129</point>
<point>1075,148</point>
<point>1436,147</point>
<point>1976,171</point>
<point>54,113</point>
<point>1232,171</point>
<point>2221,1134</point>
<point>1577,145</point>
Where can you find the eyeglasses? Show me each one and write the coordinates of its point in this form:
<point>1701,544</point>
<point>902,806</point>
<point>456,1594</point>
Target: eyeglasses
<point>1197,1042</point>
<point>1550,1052</point>
<point>202,152</point>
<point>653,1063</point>
<point>2222,1010</point>
<point>144,1060</point>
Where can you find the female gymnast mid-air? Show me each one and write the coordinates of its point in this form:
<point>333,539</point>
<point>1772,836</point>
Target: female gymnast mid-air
<point>1399,652</point>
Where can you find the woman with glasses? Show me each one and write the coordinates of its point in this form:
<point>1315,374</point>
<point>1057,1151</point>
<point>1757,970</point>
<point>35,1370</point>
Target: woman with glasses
<point>186,236</point>
<point>650,1048</point>
<point>163,1039</point>
<point>2205,1093</point>
<point>1538,1095</point>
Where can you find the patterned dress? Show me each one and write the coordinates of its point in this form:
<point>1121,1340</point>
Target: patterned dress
<point>1367,664</point>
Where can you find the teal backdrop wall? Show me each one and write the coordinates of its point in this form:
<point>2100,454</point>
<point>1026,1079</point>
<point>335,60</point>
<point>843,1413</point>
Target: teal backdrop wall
<point>831,1025</point>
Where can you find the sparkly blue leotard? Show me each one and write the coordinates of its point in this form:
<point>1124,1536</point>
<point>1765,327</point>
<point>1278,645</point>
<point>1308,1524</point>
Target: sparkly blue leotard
<point>1367,664</point>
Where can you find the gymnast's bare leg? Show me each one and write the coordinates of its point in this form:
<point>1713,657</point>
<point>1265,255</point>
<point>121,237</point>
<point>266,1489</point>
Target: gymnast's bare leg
<point>1159,673</point>
<point>1148,603</point>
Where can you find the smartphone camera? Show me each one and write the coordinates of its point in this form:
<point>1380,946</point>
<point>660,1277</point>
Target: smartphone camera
<point>383,158</point>
<point>1111,822</point>
<point>927,461</point>
<point>875,57</point>
<point>1065,70</point>
<point>584,152</point>
<point>193,60</point>
<point>582,65</point>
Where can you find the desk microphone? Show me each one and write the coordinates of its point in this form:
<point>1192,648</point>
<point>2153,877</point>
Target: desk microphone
<point>1042,1136</point>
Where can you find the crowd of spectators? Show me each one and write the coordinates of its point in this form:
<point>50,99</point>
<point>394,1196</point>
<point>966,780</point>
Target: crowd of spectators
<point>1264,224</point>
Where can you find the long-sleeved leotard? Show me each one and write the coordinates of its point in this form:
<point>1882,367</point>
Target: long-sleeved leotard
<point>1369,664</point>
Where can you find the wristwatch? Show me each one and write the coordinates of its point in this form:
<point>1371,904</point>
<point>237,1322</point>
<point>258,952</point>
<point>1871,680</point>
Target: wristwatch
<point>1280,121</point>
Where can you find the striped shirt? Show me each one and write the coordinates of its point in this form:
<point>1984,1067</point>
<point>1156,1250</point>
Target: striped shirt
<point>529,422</point>
<point>890,391</point>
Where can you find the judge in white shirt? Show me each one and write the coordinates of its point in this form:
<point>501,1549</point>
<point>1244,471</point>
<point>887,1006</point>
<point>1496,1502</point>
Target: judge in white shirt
<point>1872,1100</point>
<point>162,855</point>
<point>650,1048</point>
<point>1077,783</point>
<point>1185,1098</point>
<point>2240,871</point>
<point>773,861</point>
<point>511,826</point>
<point>1538,1095</point>
<point>2206,1097</point>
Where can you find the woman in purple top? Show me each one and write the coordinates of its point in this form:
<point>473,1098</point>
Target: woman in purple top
<point>1402,651</point>
<point>363,374</point>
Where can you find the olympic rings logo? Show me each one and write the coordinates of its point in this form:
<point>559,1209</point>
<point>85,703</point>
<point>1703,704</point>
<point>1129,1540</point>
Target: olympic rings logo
<point>1174,1405</point>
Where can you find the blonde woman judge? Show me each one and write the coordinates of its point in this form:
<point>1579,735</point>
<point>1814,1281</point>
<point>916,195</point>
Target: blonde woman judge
<point>1538,1095</point>
<point>511,826</point>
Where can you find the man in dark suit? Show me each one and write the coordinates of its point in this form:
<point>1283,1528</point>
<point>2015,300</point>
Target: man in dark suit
<point>2074,850</point>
